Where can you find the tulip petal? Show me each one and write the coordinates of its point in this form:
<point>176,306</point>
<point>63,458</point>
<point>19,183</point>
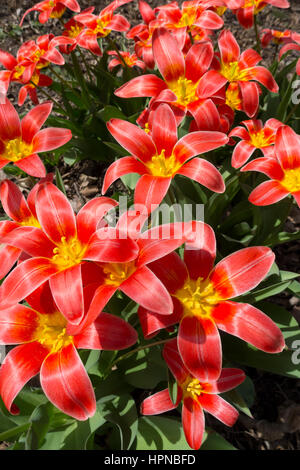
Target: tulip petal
<point>174,362</point>
<point>34,120</point>
<point>263,76</point>
<point>287,148</point>
<point>167,55</point>
<point>219,408</point>
<point>203,172</point>
<point>32,240</point>
<point>50,139</point>
<point>206,115</point>
<point>229,48</point>
<point>198,60</point>
<point>9,255</point>
<point>41,299</point>
<point>229,379</point>
<point>241,271</point>
<point>67,385</point>
<point>158,403</point>
<point>250,97</point>
<point>145,85</point>
<point>122,166</point>
<point>268,193</point>
<point>196,143</point>
<point>210,84</point>
<point>32,165</point>
<point>10,126</point>
<point>13,201</point>
<point>164,130</point>
<point>268,166</point>
<point>250,324</point>
<point>105,246</point>
<point>90,215</point>
<point>17,325</point>
<point>150,191</point>
<point>152,322</point>
<point>171,270</point>
<point>241,153</point>
<point>199,256</point>
<point>193,422</point>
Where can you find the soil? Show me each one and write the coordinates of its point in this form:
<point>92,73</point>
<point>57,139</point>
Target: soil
<point>276,411</point>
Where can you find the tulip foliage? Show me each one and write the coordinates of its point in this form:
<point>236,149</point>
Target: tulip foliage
<point>110,316</point>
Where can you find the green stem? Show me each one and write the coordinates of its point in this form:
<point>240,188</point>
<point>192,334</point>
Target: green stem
<point>63,81</point>
<point>44,92</point>
<point>141,348</point>
<point>80,78</point>
<point>291,113</point>
<point>6,435</point>
<point>258,45</point>
<point>88,70</point>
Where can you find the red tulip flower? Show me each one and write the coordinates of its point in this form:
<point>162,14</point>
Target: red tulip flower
<point>59,248</point>
<point>46,346</point>
<point>292,47</point>
<point>72,30</point>
<point>17,70</point>
<point>159,157</point>
<point>37,80</point>
<point>99,26</point>
<point>181,77</point>
<point>251,8</point>
<point>278,37</point>
<point>52,9</point>
<point>201,295</point>
<point>242,69</point>
<point>21,141</point>
<point>43,50</point>
<point>125,59</point>
<point>196,397</point>
<point>283,171</point>
<point>257,136</point>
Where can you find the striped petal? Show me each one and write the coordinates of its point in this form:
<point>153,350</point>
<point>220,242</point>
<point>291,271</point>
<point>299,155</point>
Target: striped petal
<point>196,143</point>
<point>90,215</point>
<point>32,165</point>
<point>158,403</point>
<point>50,139</point>
<point>145,85</point>
<point>268,193</point>
<point>17,325</point>
<point>193,422</point>
<point>203,172</point>
<point>150,191</point>
<point>287,148</point>
<point>167,55</point>
<point>241,153</point>
<point>199,256</point>
<point>33,121</point>
<point>219,408</point>
<point>122,167</point>
<point>164,129</point>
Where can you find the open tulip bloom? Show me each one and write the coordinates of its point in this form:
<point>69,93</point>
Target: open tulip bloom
<point>52,9</point>
<point>21,141</point>
<point>201,296</point>
<point>250,8</point>
<point>46,346</point>
<point>159,157</point>
<point>196,397</point>
<point>283,170</point>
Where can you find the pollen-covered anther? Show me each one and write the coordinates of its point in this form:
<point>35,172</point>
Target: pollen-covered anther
<point>51,332</point>
<point>233,73</point>
<point>116,273</point>
<point>16,149</point>
<point>163,166</point>
<point>198,297</point>
<point>192,387</point>
<point>68,253</point>
<point>185,90</point>
<point>291,180</point>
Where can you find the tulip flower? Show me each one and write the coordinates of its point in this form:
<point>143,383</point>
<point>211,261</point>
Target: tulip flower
<point>59,248</point>
<point>242,69</point>
<point>181,76</point>
<point>202,303</point>
<point>278,37</point>
<point>250,8</point>
<point>292,47</point>
<point>159,157</point>
<point>17,70</point>
<point>99,26</point>
<point>45,346</point>
<point>125,59</point>
<point>196,397</point>
<point>21,141</point>
<point>43,50</point>
<point>52,9</point>
<point>37,80</point>
<point>283,171</point>
<point>72,30</point>
<point>257,136</point>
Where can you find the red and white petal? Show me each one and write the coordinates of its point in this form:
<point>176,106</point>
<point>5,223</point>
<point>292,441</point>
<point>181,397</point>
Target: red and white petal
<point>108,246</point>
<point>263,76</point>
<point>150,191</point>
<point>122,166</point>
<point>31,240</point>
<point>33,121</point>
<point>229,48</point>
<point>17,324</point>
<point>41,299</point>
<point>50,139</point>
<point>268,166</point>
<point>9,255</point>
<point>174,361</point>
<point>250,97</point>
<point>167,55</point>
<point>91,214</point>
<point>229,379</point>
<point>198,60</point>
<point>205,173</point>
<point>200,347</point>
<point>171,270</point>
<point>206,115</point>
<point>268,193</point>
<point>193,422</point>
<point>219,408</point>
<point>210,84</point>
<point>164,129</point>
<point>209,20</point>
<point>152,322</point>
<point>199,256</point>
<point>145,85</point>
<point>250,324</point>
<point>32,165</point>
<point>196,143</point>
<point>67,385</point>
<point>13,201</point>
<point>241,271</point>
<point>249,58</point>
<point>241,153</point>
<point>10,126</point>
<point>287,148</point>
<point>158,403</point>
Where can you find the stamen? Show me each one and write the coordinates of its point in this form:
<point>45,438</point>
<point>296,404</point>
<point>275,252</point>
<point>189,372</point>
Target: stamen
<point>291,180</point>
<point>68,253</point>
<point>163,166</point>
<point>16,150</point>
<point>197,297</point>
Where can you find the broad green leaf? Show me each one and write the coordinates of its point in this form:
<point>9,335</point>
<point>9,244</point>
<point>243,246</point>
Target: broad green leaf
<point>216,442</point>
<point>39,425</point>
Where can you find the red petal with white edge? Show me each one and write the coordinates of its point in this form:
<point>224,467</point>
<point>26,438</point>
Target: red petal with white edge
<point>145,85</point>
<point>200,347</point>
<point>7,60</point>
<point>198,142</point>
<point>240,132</point>
<point>55,213</point>
<point>13,201</point>
<point>150,191</point>
<point>171,270</point>
<point>241,271</point>
<point>152,249</point>
<point>219,408</point>
<point>10,126</point>
<point>167,55</point>
<point>203,172</point>
<point>41,300</point>
<point>198,60</point>
<point>268,193</point>
<point>50,138</point>
<point>268,166</point>
<point>206,115</point>
<point>245,17</point>
<point>108,332</point>
<point>210,84</point>
<point>132,138</point>
<point>67,385</point>
<point>32,240</point>
<point>241,153</point>
<point>164,129</point>
<point>32,165</point>
<point>24,279</point>
<point>273,125</point>
<point>20,365</point>
<point>287,148</point>
<point>118,23</point>
<point>67,291</point>
<point>174,362</point>
<point>209,20</point>
<point>105,246</point>
<point>193,422</point>
<point>32,194</point>
<point>122,167</point>
<point>152,322</point>
<point>250,324</point>
<point>250,97</point>
<point>229,48</point>
<point>200,255</point>
<point>91,214</point>
<point>34,120</point>
<point>9,255</point>
<point>249,58</point>
<point>17,325</point>
<point>147,290</point>
<point>158,403</point>
<point>264,76</point>
<point>89,41</point>
<point>229,379</point>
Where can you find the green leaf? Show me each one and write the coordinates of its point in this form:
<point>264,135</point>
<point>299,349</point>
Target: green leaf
<point>172,386</point>
<point>216,442</point>
<point>59,181</point>
<point>40,422</point>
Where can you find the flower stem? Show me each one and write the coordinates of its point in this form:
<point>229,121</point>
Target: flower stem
<point>291,113</point>
<point>44,92</point>
<point>141,348</point>
<point>258,45</point>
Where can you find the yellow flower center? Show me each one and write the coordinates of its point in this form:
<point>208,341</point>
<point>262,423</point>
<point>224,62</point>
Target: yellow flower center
<point>260,140</point>
<point>35,79</point>
<point>220,10</point>
<point>58,11</point>
<point>68,253</point>
<point>99,30</point>
<point>291,180</point>
<point>74,31</point>
<point>51,332</point>
<point>19,70</point>
<point>164,167</point>
<point>116,273</point>
<point>258,4</point>
<point>31,221</point>
<point>197,297</point>
<point>233,98</point>
<point>232,72</point>
<point>191,387</point>
<point>16,150</point>
<point>187,19</point>
<point>51,3</point>
<point>147,128</point>
<point>185,90</point>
